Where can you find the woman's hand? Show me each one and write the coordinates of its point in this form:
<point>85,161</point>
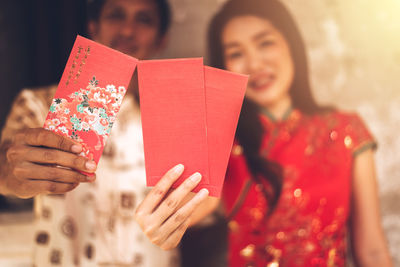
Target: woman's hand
<point>30,165</point>
<point>162,217</point>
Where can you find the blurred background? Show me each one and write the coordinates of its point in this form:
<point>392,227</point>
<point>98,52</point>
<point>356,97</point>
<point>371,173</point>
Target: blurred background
<point>353,46</point>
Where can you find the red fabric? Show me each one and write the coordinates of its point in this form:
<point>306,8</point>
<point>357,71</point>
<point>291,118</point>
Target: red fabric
<point>308,227</point>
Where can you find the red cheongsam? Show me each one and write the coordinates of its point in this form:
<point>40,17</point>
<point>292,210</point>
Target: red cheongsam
<point>309,224</point>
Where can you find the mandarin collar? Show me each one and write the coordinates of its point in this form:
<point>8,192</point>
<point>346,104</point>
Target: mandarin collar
<point>274,119</point>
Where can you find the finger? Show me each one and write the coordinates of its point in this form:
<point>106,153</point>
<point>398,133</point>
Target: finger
<point>159,190</point>
<point>29,170</point>
<point>43,137</point>
<point>171,203</point>
<point>182,215</point>
<point>173,240</point>
<point>65,159</point>
<point>47,187</point>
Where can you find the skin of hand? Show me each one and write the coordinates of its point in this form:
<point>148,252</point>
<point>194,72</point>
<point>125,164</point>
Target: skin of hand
<point>164,215</point>
<point>39,161</point>
<point>368,240</point>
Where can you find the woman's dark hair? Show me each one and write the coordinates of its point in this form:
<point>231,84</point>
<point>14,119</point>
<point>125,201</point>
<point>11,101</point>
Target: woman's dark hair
<point>250,131</point>
<point>94,8</point>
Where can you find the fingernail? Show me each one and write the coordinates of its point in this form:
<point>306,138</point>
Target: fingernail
<point>195,177</point>
<point>90,165</point>
<point>203,192</point>
<point>178,168</point>
<point>76,148</point>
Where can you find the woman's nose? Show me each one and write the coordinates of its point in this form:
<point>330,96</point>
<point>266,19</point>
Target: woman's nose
<point>254,62</point>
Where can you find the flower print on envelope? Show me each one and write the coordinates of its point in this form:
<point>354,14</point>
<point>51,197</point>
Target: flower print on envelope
<point>87,116</point>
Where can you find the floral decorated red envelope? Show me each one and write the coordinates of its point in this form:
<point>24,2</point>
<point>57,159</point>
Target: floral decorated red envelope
<point>90,94</point>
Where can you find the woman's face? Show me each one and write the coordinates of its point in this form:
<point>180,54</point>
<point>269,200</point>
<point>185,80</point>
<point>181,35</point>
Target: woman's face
<point>253,46</point>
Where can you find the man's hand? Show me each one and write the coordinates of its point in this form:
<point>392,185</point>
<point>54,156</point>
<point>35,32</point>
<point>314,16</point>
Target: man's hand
<point>39,161</point>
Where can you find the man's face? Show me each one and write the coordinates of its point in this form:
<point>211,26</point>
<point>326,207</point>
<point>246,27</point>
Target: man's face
<point>130,26</point>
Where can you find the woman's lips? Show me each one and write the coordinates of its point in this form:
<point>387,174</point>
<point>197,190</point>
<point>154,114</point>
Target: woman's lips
<point>261,82</point>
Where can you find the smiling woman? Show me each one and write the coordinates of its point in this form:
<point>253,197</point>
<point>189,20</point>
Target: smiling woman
<point>254,46</point>
<point>325,155</point>
<point>301,178</point>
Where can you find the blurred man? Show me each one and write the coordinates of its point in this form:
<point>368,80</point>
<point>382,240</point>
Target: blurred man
<point>92,224</point>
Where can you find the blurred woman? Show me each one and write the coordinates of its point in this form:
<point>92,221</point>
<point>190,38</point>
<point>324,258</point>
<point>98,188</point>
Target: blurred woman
<point>301,178</point>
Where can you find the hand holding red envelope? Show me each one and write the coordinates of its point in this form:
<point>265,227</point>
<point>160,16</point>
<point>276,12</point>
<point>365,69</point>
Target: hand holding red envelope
<point>189,112</point>
<point>90,94</point>
<point>173,111</point>
<point>186,122</point>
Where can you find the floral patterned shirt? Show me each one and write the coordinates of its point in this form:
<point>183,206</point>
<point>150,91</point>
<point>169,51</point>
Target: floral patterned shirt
<point>93,225</point>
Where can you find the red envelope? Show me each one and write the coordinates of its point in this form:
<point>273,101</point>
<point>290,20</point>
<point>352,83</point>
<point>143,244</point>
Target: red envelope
<point>90,94</point>
<point>186,121</point>
<point>173,112</point>
<point>224,97</point>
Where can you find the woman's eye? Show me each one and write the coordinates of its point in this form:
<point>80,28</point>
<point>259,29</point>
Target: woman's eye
<point>266,43</point>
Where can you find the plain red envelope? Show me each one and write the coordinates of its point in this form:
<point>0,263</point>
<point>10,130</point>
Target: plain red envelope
<point>224,97</point>
<point>90,94</point>
<point>173,112</point>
